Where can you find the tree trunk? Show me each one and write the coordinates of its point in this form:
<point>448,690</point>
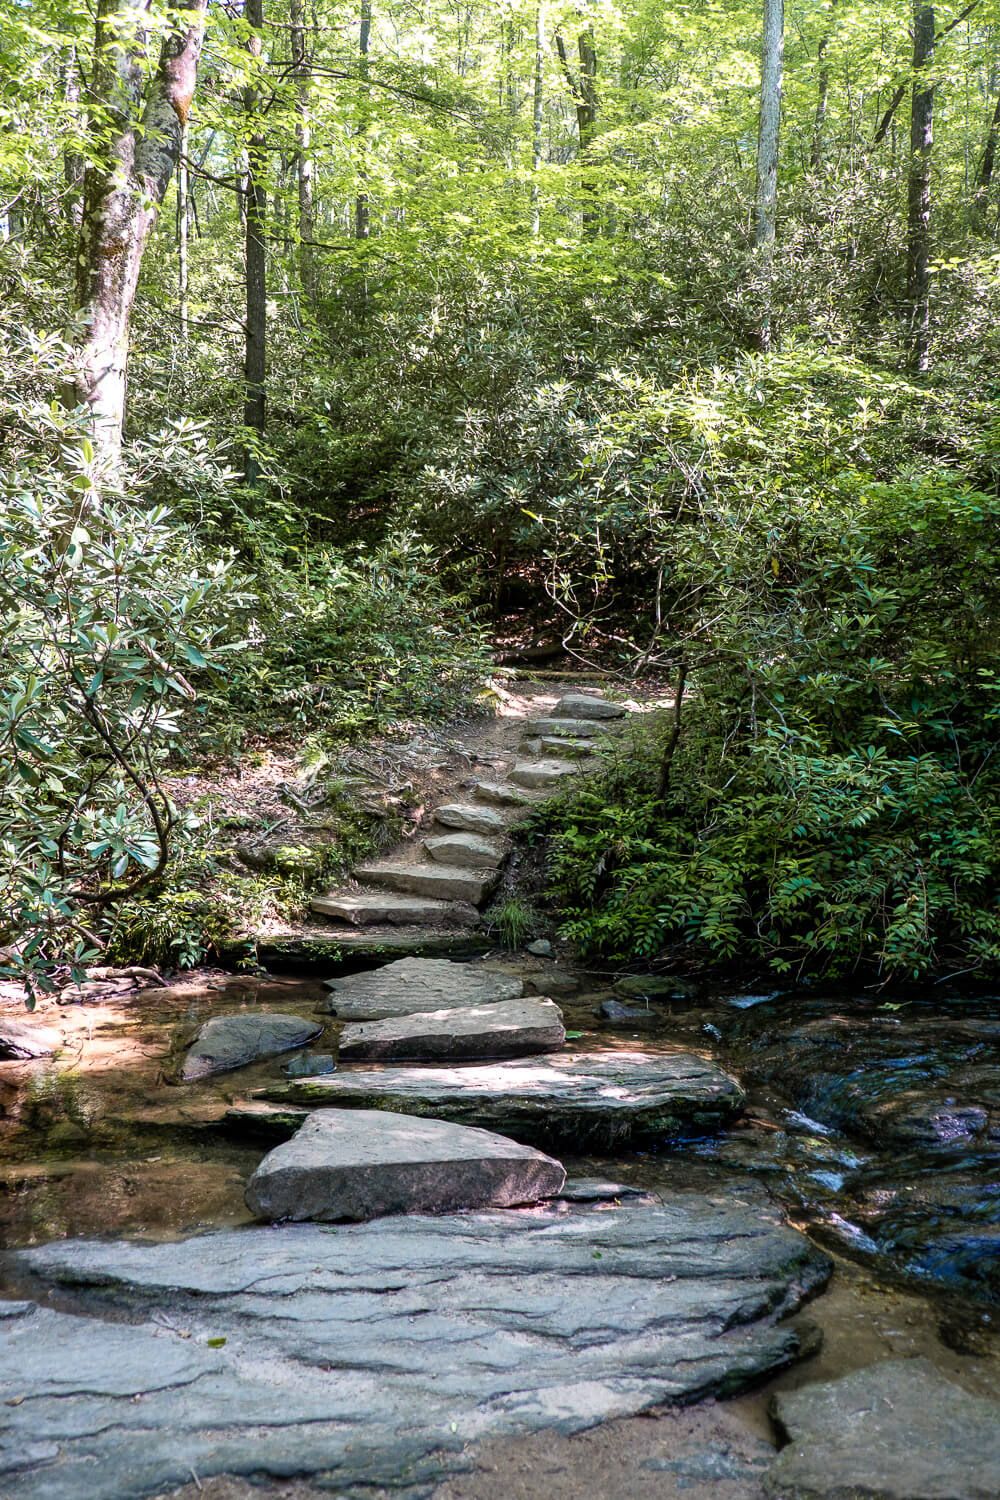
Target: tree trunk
<point>583,87</point>
<point>362,206</point>
<point>987,162</point>
<point>123,193</point>
<point>183,222</point>
<point>255,360</point>
<point>73,163</point>
<point>537,102</point>
<point>817,150</point>
<point>766,200</point>
<point>303,141</point>
<point>918,189</point>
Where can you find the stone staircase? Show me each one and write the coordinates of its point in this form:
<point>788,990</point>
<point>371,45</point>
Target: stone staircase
<point>446,880</point>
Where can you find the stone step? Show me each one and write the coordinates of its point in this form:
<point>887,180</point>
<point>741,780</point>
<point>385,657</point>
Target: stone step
<point>470,850</point>
<point>580,706</point>
<point>588,729</point>
<point>375,908</point>
<point>470,817</point>
<point>501,794</point>
<point>445,882</point>
<point>363,1164</point>
<point>555,745</point>
<point>509,1028</point>
<point>544,774</point>
<point>417,984</point>
<point>599,1100</point>
<point>228,1042</point>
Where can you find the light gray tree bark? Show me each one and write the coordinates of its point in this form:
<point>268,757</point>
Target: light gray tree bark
<point>137,144</point>
<point>768,135</point>
<point>918,188</point>
<point>255,197</point>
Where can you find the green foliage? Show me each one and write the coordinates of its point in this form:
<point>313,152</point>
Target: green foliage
<point>106,614</point>
<point>832,803</point>
<point>514,921</point>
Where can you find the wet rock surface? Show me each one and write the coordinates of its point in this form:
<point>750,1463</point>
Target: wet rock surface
<point>890,1134</point>
<point>26,1039</point>
<point>229,1042</point>
<point>602,1098</point>
<point>373,1354</point>
<point>893,1431</point>
<point>508,1028</point>
<point>363,1164</point>
<point>412,985</point>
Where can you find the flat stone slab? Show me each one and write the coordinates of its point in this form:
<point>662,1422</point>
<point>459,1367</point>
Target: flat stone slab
<point>501,794</point>
<point>228,1042</point>
<point>470,817</point>
<point>364,1164</point>
<point>893,1431</point>
<point>412,985</point>
<point>582,706</point>
<point>444,882</point>
<point>23,1040</point>
<point>542,773</point>
<point>601,1098</point>
<point>509,1028</point>
<point>470,850</point>
<point>372,1354</point>
<point>551,744</point>
<point>368,908</point>
<point>566,728</point>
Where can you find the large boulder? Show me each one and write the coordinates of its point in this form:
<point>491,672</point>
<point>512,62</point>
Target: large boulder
<point>363,1164</point>
<point>511,1028</point>
<point>892,1431</point>
<point>372,1355</point>
<point>601,1099</point>
<point>417,984</point>
<point>228,1042</point>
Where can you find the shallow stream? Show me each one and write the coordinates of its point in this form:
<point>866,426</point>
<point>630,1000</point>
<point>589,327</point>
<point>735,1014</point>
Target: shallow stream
<point>875,1123</point>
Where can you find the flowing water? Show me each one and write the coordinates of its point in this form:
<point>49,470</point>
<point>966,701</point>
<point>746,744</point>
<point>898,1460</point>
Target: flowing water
<point>875,1122</point>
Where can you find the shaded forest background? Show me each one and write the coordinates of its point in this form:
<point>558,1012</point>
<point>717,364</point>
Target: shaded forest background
<point>662,334</point>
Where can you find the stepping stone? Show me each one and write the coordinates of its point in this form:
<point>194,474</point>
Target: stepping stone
<point>502,794</point>
<point>444,882</point>
<point>412,985</point>
<point>511,1028</point>
<point>470,817</point>
<point>581,729</point>
<point>552,744</point>
<point>375,908</point>
<point>542,773</point>
<point>375,1355</point>
<point>466,849</point>
<point>655,987</point>
<point>578,706</point>
<point>228,1042</point>
<point>603,1098</point>
<point>893,1431</point>
<point>23,1040</point>
<point>363,1164</point>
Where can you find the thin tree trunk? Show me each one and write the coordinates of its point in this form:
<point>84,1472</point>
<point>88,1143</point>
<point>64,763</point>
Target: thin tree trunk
<point>766,200</point>
<point>255,360</point>
<point>817,150</point>
<point>362,206</point>
<point>583,87</point>
<point>918,189</point>
<point>537,102</point>
<point>303,141</point>
<point>73,163</point>
<point>183,223</point>
<point>123,193</point>
<point>987,162</point>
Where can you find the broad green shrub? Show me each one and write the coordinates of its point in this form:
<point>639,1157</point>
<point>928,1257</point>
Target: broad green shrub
<point>833,802</point>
